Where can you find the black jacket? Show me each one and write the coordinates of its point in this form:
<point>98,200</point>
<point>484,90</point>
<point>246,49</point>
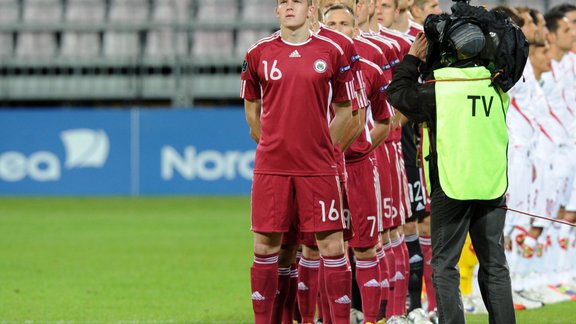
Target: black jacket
<point>417,102</point>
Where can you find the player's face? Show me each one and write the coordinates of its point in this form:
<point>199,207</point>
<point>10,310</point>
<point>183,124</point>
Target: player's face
<point>386,12</point>
<point>431,7</point>
<point>540,58</point>
<point>325,4</point>
<point>541,31</point>
<point>564,36</point>
<point>293,14</point>
<point>405,4</point>
<point>362,11</point>
<point>372,4</point>
<point>340,20</point>
<point>571,15</point>
<point>529,29</point>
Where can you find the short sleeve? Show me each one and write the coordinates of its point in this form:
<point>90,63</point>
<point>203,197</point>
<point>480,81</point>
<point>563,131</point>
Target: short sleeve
<point>342,80</point>
<point>380,107</point>
<point>250,87</point>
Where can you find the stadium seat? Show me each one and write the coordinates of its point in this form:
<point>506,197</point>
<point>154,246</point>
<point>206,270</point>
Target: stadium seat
<point>83,44</point>
<point>213,43</point>
<point>125,43</point>
<point>216,10</point>
<point>167,41</point>
<point>9,13</point>
<point>171,11</point>
<point>259,10</point>
<point>246,38</point>
<point>39,44</point>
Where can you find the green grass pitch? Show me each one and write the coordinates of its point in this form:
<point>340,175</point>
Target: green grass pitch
<point>138,260</point>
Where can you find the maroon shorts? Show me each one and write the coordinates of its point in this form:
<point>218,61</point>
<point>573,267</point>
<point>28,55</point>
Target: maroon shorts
<point>395,182</point>
<point>292,237</point>
<point>364,194</point>
<point>405,206</point>
<point>309,239</point>
<point>313,203</point>
<point>384,171</point>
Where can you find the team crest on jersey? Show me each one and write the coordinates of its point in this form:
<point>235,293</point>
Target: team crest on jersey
<point>320,66</point>
<point>244,66</point>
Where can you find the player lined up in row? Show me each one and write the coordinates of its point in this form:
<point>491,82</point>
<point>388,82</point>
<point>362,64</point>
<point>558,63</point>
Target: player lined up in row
<point>336,163</point>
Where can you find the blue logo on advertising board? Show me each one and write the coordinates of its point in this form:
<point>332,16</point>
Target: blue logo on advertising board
<point>128,152</point>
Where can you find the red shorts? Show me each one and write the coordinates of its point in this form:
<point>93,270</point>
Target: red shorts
<point>364,203</point>
<point>405,209</point>
<point>384,171</point>
<point>292,236</point>
<point>309,239</point>
<point>395,181</point>
<point>313,203</point>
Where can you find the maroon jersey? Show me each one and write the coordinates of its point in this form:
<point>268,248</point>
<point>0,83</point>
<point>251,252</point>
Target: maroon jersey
<point>296,83</point>
<point>413,30</point>
<point>395,134</point>
<point>402,41</point>
<point>347,45</point>
<point>368,50</point>
<point>376,84</point>
<point>390,53</point>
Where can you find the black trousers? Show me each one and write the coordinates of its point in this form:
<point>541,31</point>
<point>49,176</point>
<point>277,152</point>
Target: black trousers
<point>451,220</point>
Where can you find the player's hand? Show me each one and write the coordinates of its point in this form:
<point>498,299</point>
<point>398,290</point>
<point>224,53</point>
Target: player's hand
<point>419,47</point>
<point>507,243</point>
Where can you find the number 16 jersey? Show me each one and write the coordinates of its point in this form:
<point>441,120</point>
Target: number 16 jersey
<point>297,84</point>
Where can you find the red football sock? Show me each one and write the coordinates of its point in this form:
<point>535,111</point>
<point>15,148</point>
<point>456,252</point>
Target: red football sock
<point>426,245</point>
<point>391,261</point>
<point>406,259</point>
<point>296,317</point>
<point>368,278</point>
<point>288,312</point>
<point>338,280</point>
<point>281,294</point>
<point>264,282</point>
<point>308,288</point>
<point>324,304</point>
<point>401,284</point>
<point>384,284</point>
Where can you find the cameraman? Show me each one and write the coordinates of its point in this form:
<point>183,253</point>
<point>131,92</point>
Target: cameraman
<point>466,113</point>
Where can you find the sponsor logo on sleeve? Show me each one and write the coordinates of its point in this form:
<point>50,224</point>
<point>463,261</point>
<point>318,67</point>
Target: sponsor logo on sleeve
<point>344,68</point>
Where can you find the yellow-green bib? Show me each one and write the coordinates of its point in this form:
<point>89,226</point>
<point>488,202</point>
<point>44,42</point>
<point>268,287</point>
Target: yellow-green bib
<point>425,154</point>
<point>472,138</point>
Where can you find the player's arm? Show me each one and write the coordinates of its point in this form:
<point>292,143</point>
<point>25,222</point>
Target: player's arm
<point>252,108</point>
<point>354,130</point>
<point>401,119</point>
<point>341,121</point>
<point>379,132</point>
<point>380,114</point>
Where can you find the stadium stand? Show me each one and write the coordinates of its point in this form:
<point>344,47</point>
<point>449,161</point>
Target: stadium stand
<point>169,52</point>
<point>82,43</point>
